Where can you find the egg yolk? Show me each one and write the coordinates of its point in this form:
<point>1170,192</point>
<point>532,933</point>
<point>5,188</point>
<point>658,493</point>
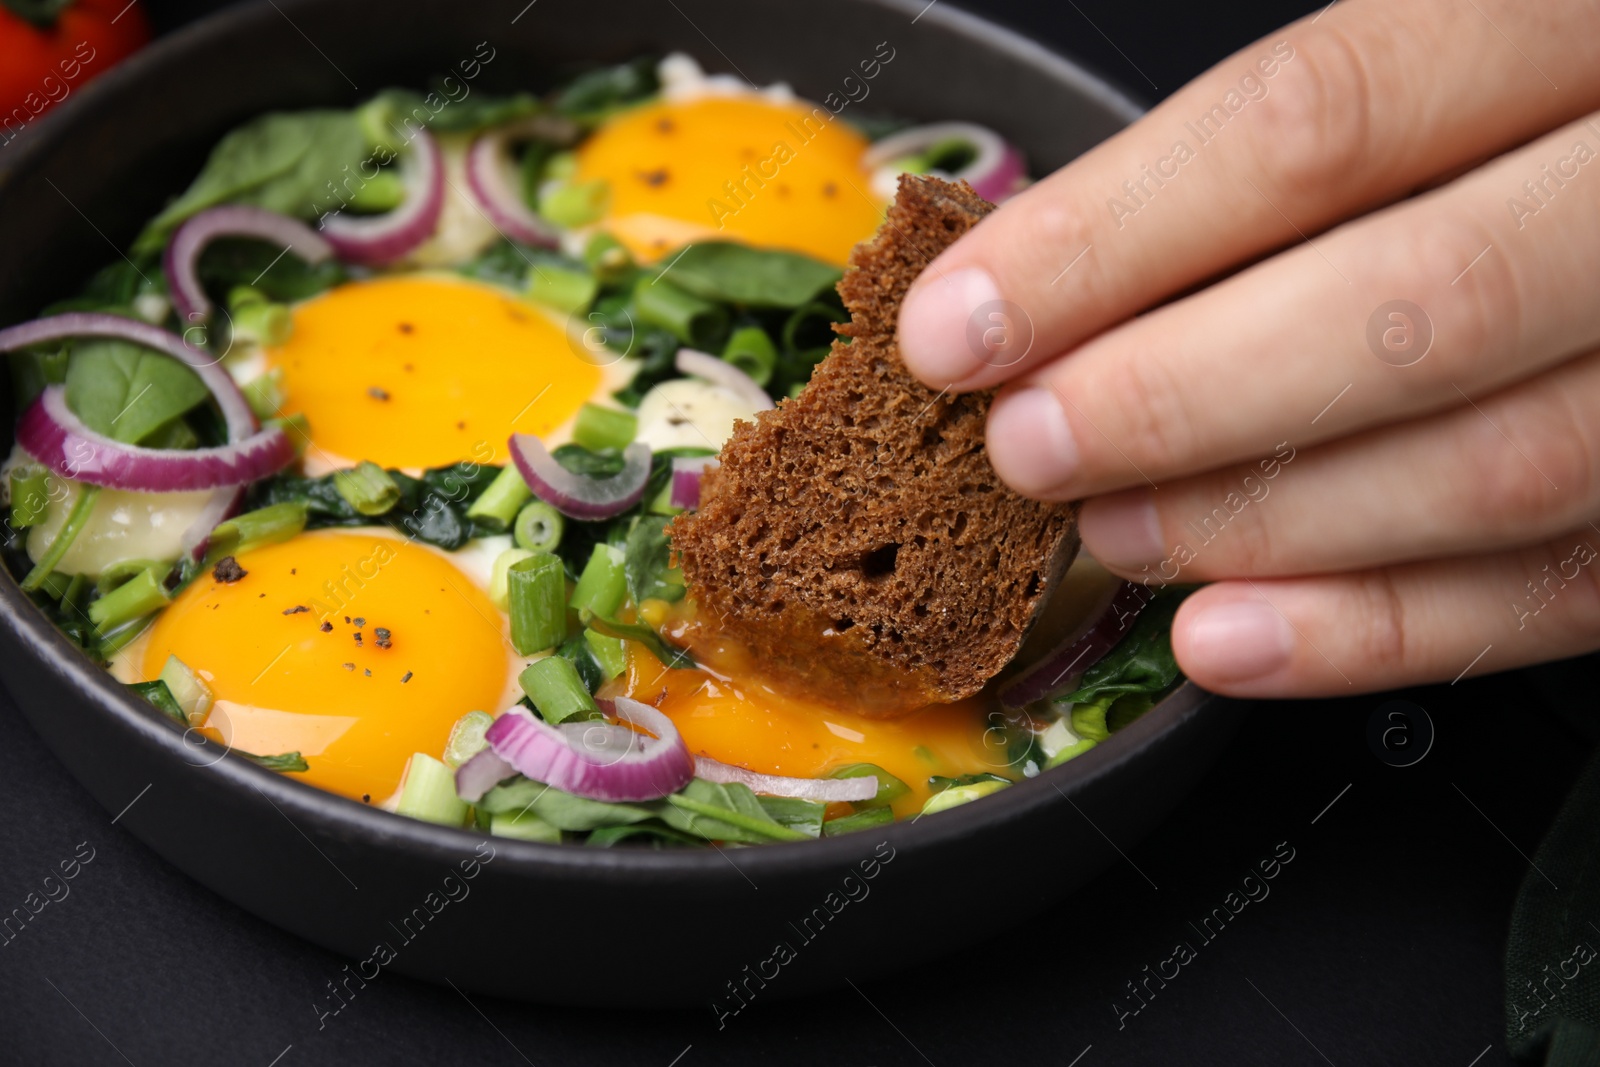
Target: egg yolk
<point>739,168</point>
<point>424,371</point>
<point>739,721</point>
<point>351,647</point>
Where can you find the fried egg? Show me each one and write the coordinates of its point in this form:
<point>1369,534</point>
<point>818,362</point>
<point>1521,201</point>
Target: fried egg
<point>733,166</point>
<point>353,647</point>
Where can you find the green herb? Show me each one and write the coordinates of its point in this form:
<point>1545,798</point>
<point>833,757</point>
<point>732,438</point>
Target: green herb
<point>368,488</point>
<point>647,562</point>
<point>283,762</point>
<point>867,819</point>
<point>30,495</point>
<point>282,161</point>
<point>669,655</point>
<point>557,692</point>
<point>600,428</point>
<point>719,812</point>
<point>1141,663</point>
<point>559,809</point>
<point>161,698</point>
<point>126,391</point>
<point>890,788</point>
<point>76,520</point>
<point>536,590</point>
<point>804,816</point>
<point>592,96</point>
<point>751,277</point>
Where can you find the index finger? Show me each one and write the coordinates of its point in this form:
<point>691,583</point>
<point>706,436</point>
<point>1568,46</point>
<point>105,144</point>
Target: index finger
<point>1334,115</point>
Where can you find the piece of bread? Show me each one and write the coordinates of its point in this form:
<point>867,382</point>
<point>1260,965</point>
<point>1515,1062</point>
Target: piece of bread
<point>855,545</point>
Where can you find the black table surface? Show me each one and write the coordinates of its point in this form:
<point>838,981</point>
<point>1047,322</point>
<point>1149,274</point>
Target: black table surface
<point>1379,940</point>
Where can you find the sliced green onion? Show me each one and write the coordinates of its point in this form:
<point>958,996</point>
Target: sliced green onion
<point>752,351</point>
<point>1077,748</point>
<point>191,692</point>
<point>30,495</point>
<point>670,655</point>
<point>77,519</point>
<point>264,393</point>
<point>566,289</point>
<point>607,257</point>
<point>263,526</point>
<point>736,818</point>
<point>603,585</point>
<point>957,795</point>
<point>175,434</point>
<point>599,427</point>
<point>536,593</point>
<point>135,598</point>
<point>890,788</point>
<point>297,426</point>
<point>384,191</point>
<point>609,652</point>
<point>538,527</point>
<point>283,762</point>
<point>120,637</point>
<point>575,203</point>
<point>523,826</point>
<point>497,505</point>
<point>113,576</point>
<point>429,793</point>
<point>254,319</point>
<point>466,737</point>
<point>861,820</point>
<point>499,576</point>
<point>1089,721</point>
<point>160,696</point>
<point>687,317</point>
<point>367,487</point>
<point>556,690</point>
<point>561,166</point>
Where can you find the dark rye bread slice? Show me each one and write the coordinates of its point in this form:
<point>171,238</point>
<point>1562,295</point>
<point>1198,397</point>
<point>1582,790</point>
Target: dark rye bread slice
<point>855,543</point>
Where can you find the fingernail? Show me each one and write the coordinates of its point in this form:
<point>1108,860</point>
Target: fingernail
<point>1122,530</point>
<point>934,320</point>
<point>1239,642</point>
<point>1030,442</point>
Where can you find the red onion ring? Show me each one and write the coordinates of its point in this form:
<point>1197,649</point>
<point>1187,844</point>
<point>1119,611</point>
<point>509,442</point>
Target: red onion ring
<point>826,790</point>
<point>481,773</point>
<point>996,174</point>
<point>376,240</point>
<point>721,372</point>
<point>686,475</point>
<point>488,164</point>
<point>181,260</point>
<point>55,437</point>
<point>1078,652</point>
<point>578,496</point>
<point>197,538</point>
<point>640,768</point>
<point>236,413</point>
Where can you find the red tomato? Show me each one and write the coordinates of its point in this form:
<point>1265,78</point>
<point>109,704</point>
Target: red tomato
<point>43,65</point>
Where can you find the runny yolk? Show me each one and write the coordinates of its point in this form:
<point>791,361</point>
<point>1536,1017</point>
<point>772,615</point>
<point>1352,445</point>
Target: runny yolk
<point>740,721</point>
<point>354,709</point>
<point>426,370</point>
<point>739,168</point>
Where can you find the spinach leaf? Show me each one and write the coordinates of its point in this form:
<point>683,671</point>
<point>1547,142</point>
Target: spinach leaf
<point>647,562</point>
<point>126,391</point>
<point>575,650</point>
<point>561,810</point>
<point>433,508</point>
<point>231,261</point>
<point>802,815</point>
<point>283,762</point>
<point>438,110</point>
<point>113,288</point>
<point>669,655</point>
<point>656,834</point>
<point>752,277</point>
<point>723,813</point>
<point>281,161</point>
<point>1142,662</point>
<point>601,463</point>
<point>591,96</point>
<point>161,698</point>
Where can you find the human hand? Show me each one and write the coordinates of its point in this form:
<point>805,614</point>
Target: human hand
<point>1379,441</point>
